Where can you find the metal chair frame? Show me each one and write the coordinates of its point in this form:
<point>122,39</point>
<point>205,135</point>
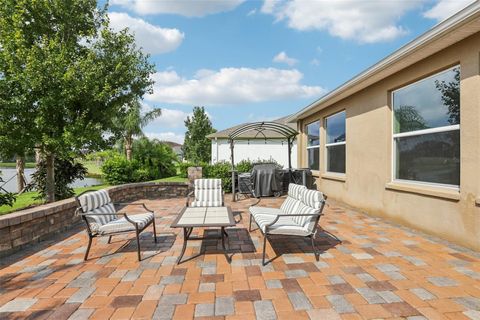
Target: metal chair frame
<point>92,234</point>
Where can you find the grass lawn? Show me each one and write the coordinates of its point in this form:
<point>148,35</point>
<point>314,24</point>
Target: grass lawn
<point>93,168</point>
<point>26,199</point>
<point>13,164</point>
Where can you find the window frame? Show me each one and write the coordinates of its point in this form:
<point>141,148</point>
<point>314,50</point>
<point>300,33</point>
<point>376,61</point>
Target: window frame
<point>313,147</point>
<point>414,133</point>
<point>333,144</point>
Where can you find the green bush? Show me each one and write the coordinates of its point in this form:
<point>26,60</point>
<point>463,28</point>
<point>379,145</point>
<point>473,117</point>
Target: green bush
<point>118,170</point>
<point>244,166</point>
<point>67,170</point>
<point>6,198</point>
<point>220,170</point>
<point>183,168</point>
<point>155,158</point>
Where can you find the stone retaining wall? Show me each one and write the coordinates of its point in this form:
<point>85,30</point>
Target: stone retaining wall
<point>32,225</point>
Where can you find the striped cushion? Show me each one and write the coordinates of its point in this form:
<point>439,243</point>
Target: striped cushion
<point>284,225</point>
<point>306,221</point>
<point>254,211</point>
<point>208,193</point>
<point>122,225</point>
<point>290,205</point>
<point>312,198</point>
<point>97,221</point>
<point>93,200</point>
<point>206,203</point>
<point>295,191</point>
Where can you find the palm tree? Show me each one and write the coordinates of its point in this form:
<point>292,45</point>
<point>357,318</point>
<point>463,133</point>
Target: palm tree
<point>133,122</point>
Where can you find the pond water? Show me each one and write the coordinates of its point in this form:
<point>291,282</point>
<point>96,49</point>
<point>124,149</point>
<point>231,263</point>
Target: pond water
<point>11,186</point>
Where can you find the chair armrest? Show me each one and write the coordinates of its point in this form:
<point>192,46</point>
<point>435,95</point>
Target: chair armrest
<point>134,204</point>
<point>102,214</point>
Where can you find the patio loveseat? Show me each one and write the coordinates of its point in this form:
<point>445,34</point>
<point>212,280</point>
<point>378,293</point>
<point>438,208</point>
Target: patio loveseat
<point>298,216</point>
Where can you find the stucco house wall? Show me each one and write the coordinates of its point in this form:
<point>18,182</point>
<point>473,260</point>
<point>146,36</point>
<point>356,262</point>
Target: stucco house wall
<point>368,184</point>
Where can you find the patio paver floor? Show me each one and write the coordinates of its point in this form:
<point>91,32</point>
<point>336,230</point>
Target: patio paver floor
<point>377,271</point>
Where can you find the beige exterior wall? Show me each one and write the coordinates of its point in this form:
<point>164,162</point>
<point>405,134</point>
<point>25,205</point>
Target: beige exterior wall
<point>367,184</point>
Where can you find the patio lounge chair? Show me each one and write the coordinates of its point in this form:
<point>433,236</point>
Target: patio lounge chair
<point>207,193</point>
<point>102,219</point>
<point>298,216</point>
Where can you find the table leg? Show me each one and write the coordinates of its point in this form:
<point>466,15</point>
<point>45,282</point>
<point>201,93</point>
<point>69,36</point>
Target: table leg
<point>186,235</point>
<point>223,244</point>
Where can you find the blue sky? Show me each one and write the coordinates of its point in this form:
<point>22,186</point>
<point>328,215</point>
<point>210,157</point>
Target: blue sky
<point>260,60</point>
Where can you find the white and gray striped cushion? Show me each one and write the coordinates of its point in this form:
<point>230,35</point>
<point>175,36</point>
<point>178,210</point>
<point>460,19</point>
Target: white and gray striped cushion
<point>122,225</point>
<point>93,200</point>
<point>312,198</point>
<point>290,205</point>
<point>206,204</point>
<point>254,211</point>
<point>306,221</point>
<point>208,193</point>
<point>295,191</point>
<point>284,225</point>
<point>97,221</point>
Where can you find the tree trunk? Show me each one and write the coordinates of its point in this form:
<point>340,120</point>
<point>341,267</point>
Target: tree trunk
<point>20,165</point>
<point>38,155</point>
<point>50,183</point>
<point>128,148</point>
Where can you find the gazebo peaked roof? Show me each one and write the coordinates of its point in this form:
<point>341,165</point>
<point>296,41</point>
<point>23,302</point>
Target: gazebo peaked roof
<point>260,127</point>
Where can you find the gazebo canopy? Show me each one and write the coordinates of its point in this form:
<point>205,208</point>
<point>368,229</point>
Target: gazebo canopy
<point>260,128</point>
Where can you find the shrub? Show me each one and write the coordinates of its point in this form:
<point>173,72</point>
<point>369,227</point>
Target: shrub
<point>244,166</point>
<point>67,170</point>
<point>156,159</point>
<point>220,170</point>
<point>7,198</point>
<point>118,170</point>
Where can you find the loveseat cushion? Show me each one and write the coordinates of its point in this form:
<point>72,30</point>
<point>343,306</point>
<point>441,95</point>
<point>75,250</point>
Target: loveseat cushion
<point>122,225</point>
<point>254,211</point>
<point>313,198</point>
<point>93,200</point>
<point>284,225</point>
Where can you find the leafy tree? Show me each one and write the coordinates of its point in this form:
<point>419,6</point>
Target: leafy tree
<point>197,147</point>
<point>407,118</point>
<point>6,198</point>
<point>131,124</point>
<point>451,97</point>
<point>64,72</point>
<point>157,158</point>
<point>67,170</point>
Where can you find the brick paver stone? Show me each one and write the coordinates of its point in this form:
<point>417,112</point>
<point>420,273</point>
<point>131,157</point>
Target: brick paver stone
<point>224,306</point>
<point>299,301</point>
<point>81,295</point>
<point>81,314</point>
<point>443,281</point>
<point>340,304</point>
<point>205,310</point>
<point>17,305</point>
<point>174,299</point>
<point>163,312</point>
<point>264,310</point>
<point>423,294</point>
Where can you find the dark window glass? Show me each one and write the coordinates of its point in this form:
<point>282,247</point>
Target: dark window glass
<point>429,158</point>
<point>336,158</point>
<point>429,103</point>
<point>313,158</point>
<point>313,132</point>
<point>336,128</point>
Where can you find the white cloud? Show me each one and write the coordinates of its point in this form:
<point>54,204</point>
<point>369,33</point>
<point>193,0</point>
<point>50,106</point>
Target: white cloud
<point>192,8</point>
<point>166,136</point>
<point>445,8</point>
<point>315,62</point>
<point>170,118</point>
<point>151,38</point>
<point>282,57</point>
<point>252,12</point>
<point>230,86</point>
<point>362,21</point>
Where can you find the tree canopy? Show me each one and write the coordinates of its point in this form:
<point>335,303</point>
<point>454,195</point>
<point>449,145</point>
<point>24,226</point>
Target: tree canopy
<point>63,74</point>
<point>197,147</point>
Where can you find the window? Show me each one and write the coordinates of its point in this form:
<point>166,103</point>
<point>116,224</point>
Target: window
<point>313,145</point>
<point>335,145</point>
<point>426,130</point>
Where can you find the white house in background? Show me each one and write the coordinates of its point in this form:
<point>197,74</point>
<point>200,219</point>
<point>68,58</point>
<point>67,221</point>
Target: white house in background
<point>253,146</point>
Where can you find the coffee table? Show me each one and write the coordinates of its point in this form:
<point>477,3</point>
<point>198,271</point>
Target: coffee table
<point>203,217</point>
